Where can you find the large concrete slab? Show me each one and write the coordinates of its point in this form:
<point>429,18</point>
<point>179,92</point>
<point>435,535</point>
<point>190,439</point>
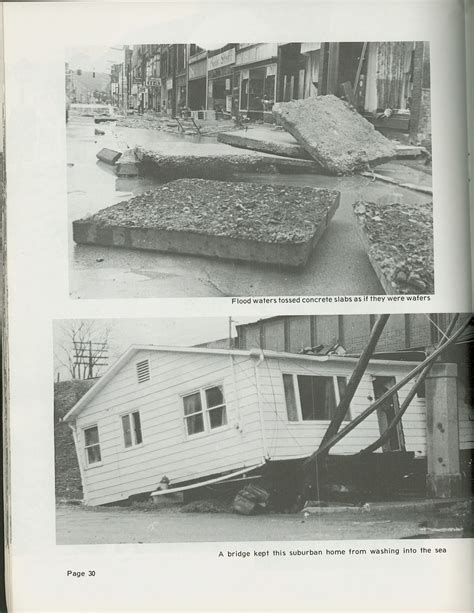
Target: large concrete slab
<point>214,161</point>
<point>334,134</point>
<point>268,140</point>
<point>270,224</point>
<point>398,239</point>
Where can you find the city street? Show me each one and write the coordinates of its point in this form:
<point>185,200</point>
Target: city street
<point>338,265</point>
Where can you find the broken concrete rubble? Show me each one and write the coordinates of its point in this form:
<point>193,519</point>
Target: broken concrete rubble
<point>128,165</point>
<point>214,161</point>
<point>271,224</point>
<point>109,156</point>
<point>334,133</point>
<point>398,239</point>
<point>278,142</point>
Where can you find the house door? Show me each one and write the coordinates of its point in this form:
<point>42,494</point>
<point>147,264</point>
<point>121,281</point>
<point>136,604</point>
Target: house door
<point>386,412</point>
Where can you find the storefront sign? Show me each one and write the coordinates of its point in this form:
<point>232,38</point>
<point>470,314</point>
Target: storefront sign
<point>169,83</point>
<point>271,70</point>
<point>153,81</point>
<point>258,53</point>
<point>222,59</point>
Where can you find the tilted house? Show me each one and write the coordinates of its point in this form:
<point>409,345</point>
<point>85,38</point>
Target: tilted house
<point>195,413</point>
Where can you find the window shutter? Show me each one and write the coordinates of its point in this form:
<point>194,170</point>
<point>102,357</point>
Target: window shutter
<point>143,371</point>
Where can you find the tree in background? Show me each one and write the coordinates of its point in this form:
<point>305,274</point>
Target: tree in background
<point>84,349</point>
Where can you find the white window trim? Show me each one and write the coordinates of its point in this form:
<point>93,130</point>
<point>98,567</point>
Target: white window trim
<point>205,412</point>
<point>134,445</point>
<point>87,465</point>
<point>298,399</point>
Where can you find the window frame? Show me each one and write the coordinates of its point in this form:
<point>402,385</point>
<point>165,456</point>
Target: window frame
<point>296,391</point>
<point>86,447</point>
<point>134,444</point>
<point>205,410</point>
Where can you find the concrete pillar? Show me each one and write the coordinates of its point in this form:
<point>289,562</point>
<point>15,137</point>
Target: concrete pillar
<point>444,478</point>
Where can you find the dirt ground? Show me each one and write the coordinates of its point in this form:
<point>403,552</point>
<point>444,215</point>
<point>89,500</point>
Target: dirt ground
<point>157,524</point>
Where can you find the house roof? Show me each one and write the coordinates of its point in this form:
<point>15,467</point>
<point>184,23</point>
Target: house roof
<point>253,353</point>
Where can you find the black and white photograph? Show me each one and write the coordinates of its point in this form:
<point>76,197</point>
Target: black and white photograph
<point>249,169</point>
<point>289,428</point>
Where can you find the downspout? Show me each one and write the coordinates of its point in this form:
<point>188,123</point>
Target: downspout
<point>260,406</point>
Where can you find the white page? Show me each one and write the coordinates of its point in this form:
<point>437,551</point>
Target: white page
<point>185,576</point>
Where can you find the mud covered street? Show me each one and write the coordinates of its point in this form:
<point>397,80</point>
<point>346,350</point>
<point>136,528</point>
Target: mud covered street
<point>338,266</point>
<point>149,524</point>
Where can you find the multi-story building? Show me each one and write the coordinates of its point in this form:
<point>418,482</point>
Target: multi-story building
<point>388,82</point>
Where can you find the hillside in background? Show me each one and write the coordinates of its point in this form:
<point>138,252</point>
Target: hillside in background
<point>81,86</point>
<point>67,476</point>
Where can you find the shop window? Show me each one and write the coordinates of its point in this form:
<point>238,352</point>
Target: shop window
<point>92,445</point>
<point>132,429</point>
<point>244,94</point>
<point>312,397</point>
<point>205,410</point>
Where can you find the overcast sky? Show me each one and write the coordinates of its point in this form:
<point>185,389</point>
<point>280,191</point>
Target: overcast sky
<point>90,59</point>
<point>160,331</point>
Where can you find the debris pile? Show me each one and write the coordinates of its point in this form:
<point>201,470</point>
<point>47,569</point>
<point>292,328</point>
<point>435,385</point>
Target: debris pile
<point>334,133</point>
<point>398,239</point>
<point>251,500</point>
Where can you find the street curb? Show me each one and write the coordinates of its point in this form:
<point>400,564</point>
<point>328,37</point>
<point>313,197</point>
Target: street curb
<point>409,505</point>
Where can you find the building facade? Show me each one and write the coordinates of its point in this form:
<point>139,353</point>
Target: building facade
<point>388,82</point>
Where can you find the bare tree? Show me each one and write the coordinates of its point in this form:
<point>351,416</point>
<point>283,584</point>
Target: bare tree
<point>83,348</point>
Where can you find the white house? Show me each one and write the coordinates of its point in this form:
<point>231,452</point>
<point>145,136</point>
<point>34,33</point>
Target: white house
<point>195,413</point>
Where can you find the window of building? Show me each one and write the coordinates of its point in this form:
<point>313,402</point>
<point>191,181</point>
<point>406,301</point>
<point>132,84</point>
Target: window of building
<point>92,445</point>
<point>143,371</point>
<point>132,429</point>
<point>205,410</point>
<point>312,398</point>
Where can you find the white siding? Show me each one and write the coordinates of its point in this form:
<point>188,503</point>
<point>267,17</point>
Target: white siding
<point>165,449</point>
<point>286,440</point>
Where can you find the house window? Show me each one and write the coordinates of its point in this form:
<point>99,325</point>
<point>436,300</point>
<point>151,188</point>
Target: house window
<point>92,445</point>
<point>312,398</point>
<point>205,410</point>
<point>132,429</point>
<point>143,371</point>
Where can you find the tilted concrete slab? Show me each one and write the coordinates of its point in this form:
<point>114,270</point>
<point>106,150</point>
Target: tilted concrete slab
<point>398,239</point>
<point>175,160</point>
<point>334,134</point>
<point>268,140</point>
<point>270,224</point>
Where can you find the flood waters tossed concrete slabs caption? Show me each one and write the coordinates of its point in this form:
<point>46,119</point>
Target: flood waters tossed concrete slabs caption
<point>334,133</point>
<point>270,224</point>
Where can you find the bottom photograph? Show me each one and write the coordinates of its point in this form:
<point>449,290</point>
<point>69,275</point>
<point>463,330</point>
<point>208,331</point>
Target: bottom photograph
<point>289,428</point>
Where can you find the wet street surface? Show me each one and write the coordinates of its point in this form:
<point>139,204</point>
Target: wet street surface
<point>338,265</point>
<point>111,525</point>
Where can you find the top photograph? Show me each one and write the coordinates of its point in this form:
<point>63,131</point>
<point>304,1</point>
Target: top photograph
<point>252,169</point>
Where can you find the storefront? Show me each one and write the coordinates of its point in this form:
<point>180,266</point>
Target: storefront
<point>257,91</point>
<point>256,76</point>
<point>181,101</point>
<point>197,84</point>
<point>219,77</point>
